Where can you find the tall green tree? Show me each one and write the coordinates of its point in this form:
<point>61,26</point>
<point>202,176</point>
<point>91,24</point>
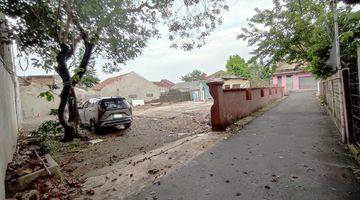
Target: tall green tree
<point>238,66</point>
<point>116,31</point>
<point>195,75</point>
<point>301,32</point>
<point>259,74</point>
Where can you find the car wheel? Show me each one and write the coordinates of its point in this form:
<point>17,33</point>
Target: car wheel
<point>127,125</point>
<point>93,127</point>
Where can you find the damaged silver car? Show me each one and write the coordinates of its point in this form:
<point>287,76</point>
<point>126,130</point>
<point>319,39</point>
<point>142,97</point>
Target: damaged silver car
<point>105,112</point>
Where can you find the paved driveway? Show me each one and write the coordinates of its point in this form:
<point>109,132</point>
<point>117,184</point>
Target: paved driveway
<point>291,152</point>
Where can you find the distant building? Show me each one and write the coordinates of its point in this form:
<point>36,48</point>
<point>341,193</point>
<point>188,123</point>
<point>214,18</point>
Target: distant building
<point>199,90</point>
<point>230,81</point>
<point>43,80</point>
<point>218,74</point>
<point>131,86</point>
<point>293,77</point>
<point>164,85</point>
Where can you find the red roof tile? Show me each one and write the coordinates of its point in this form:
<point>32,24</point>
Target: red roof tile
<point>164,83</point>
<point>108,81</point>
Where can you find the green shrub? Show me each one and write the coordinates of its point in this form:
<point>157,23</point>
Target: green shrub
<point>46,135</point>
<point>53,111</point>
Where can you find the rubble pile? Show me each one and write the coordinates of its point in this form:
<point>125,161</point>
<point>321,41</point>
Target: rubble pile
<point>25,160</point>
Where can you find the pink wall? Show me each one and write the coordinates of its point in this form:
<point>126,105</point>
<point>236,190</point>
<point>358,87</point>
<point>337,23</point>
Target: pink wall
<point>232,104</point>
<point>295,78</point>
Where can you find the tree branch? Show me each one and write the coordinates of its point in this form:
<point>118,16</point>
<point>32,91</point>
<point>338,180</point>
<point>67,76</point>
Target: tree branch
<point>85,59</point>
<point>143,5</point>
<point>68,22</point>
<point>58,19</point>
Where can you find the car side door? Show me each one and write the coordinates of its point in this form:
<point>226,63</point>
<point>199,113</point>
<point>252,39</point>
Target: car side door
<point>85,112</point>
<point>91,111</point>
<point>82,113</point>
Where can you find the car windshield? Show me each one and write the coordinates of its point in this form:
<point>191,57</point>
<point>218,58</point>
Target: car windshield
<point>110,104</point>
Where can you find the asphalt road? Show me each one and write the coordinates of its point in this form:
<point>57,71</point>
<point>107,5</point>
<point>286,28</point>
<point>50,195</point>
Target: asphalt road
<point>293,151</point>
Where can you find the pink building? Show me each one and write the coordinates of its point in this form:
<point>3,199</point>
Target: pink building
<point>293,78</point>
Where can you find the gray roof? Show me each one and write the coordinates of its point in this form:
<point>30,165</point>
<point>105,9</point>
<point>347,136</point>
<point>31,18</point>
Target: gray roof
<point>189,86</point>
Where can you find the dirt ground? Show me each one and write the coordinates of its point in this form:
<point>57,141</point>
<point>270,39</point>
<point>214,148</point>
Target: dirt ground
<point>161,133</point>
<point>152,127</point>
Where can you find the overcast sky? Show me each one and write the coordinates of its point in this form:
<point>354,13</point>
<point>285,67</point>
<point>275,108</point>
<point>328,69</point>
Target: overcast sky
<point>158,61</point>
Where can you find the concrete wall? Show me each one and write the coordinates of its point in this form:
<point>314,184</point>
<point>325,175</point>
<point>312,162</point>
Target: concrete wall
<point>8,116</point>
<point>33,106</point>
<point>175,96</point>
<point>332,93</point>
<point>132,84</point>
<point>232,104</point>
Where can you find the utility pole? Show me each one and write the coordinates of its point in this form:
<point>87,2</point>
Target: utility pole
<point>336,33</point>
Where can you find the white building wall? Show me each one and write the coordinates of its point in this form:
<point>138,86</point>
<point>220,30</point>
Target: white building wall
<point>33,106</point>
<point>132,84</point>
<point>8,116</point>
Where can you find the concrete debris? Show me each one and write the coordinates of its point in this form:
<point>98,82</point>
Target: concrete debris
<point>181,134</point>
<point>95,141</point>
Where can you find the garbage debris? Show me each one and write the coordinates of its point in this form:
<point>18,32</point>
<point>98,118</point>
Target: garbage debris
<point>153,171</point>
<point>95,141</point>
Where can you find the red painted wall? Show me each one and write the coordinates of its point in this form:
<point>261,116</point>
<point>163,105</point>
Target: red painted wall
<point>233,104</point>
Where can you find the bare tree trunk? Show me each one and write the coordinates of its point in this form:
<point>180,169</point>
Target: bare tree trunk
<point>74,117</point>
<point>68,96</point>
<point>65,93</point>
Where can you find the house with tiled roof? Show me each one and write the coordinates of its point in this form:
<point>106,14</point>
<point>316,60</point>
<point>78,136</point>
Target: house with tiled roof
<point>231,81</point>
<point>164,85</point>
<point>131,86</point>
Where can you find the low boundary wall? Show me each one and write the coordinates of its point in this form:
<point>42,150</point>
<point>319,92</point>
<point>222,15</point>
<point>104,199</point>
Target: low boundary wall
<point>233,104</point>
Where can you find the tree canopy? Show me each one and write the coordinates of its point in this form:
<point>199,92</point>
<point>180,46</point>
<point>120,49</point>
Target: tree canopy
<point>120,29</point>
<point>255,72</point>
<point>238,66</point>
<point>113,30</point>
<point>302,32</point>
<point>195,75</point>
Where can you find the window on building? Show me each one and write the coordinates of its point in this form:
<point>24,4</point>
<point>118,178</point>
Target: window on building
<point>236,86</point>
<point>149,95</point>
<point>227,86</point>
<point>132,96</point>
